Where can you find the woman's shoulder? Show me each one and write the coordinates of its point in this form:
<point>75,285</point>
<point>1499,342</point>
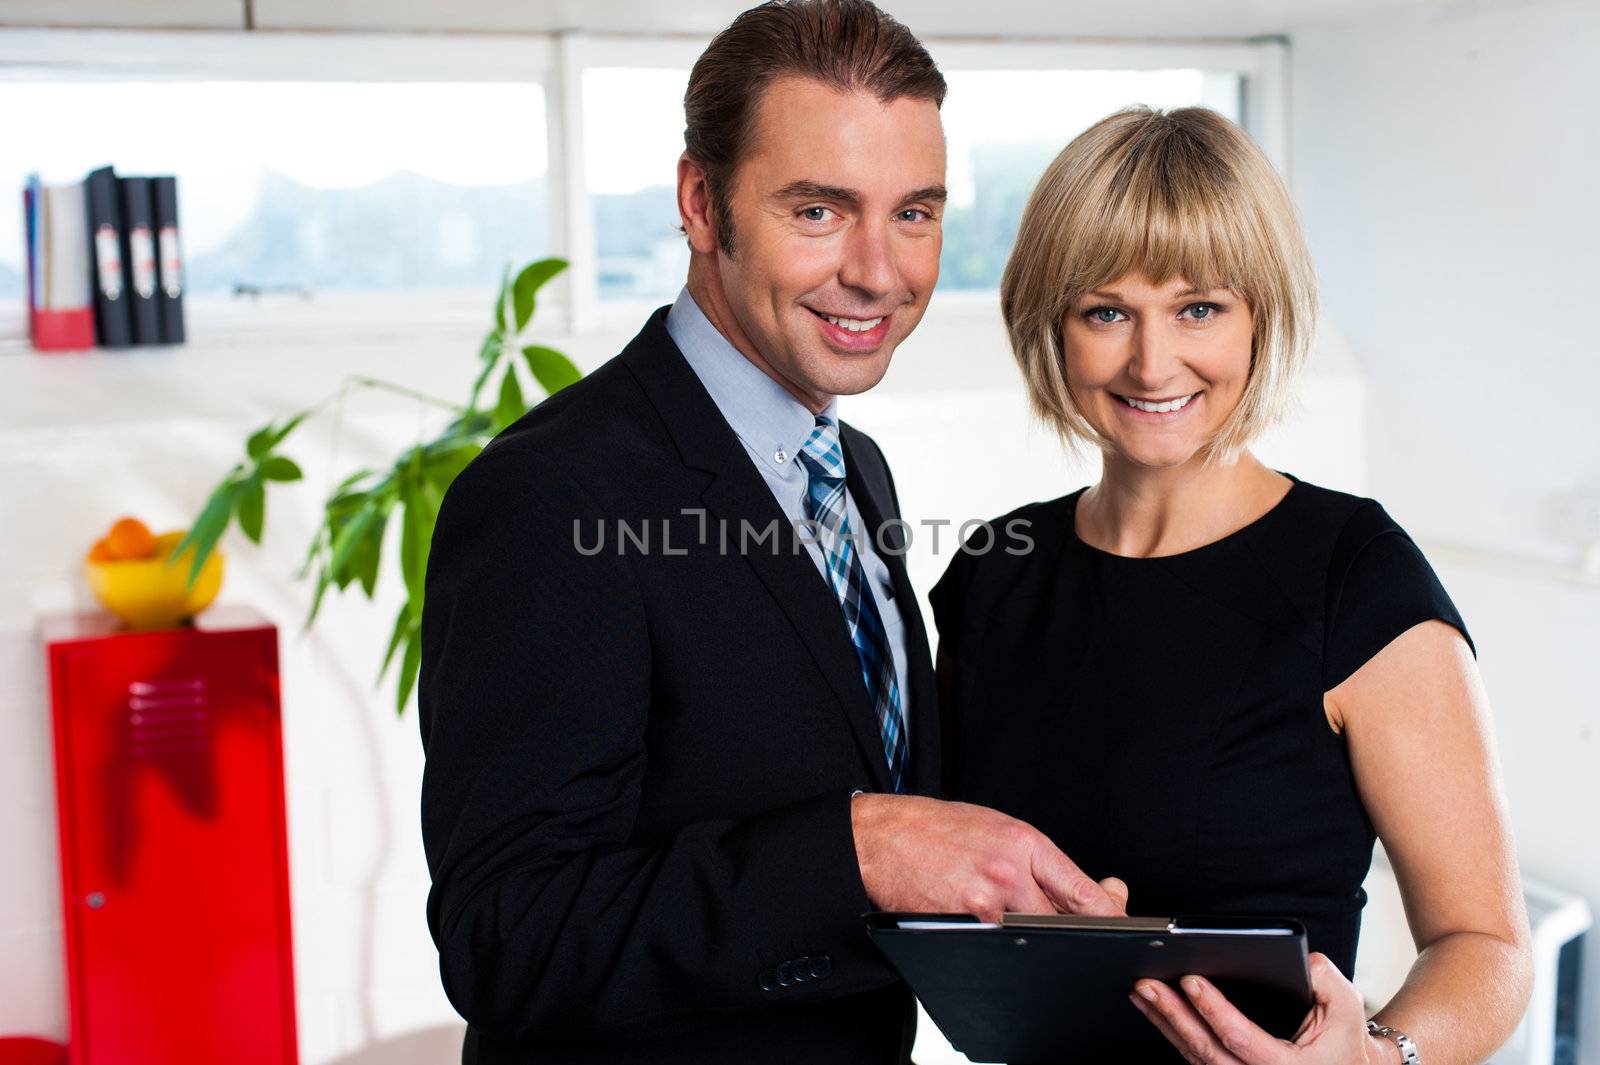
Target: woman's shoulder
<point>1378,584</point>
<point>1048,515</point>
<point>1373,580</point>
<point>996,552</point>
<point>1334,526</point>
<point>1315,524</point>
<point>1329,507</point>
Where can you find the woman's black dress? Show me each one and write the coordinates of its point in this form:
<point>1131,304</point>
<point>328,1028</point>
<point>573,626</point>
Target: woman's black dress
<point>1161,719</point>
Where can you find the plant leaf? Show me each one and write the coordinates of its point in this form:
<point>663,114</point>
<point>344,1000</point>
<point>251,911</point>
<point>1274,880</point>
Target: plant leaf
<point>280,468</point>
<point>408,670</point>
<point>529,281</point>
<point>472,424</point>
<point>413,549</point>
<point>411,558</point>
<point>288,427</point>
<point>500,300</point>
<point>323,581</point>
<point>271,435</point>
<point>493,341</point>
<point>402,625</point>
<point>553,370</point>
<point>209,526</point>
<point>345,541</point>
<point>421,501</point>
<point>443,468</point>
<point>252,507</point>
<point>313,552</point>
<point>511,407</point>
<point>260,442</point>
<point>364,560</point>
<point>480,381</point>
<point>350,480</point>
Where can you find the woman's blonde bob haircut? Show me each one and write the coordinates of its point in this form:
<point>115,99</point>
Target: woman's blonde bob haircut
<point>1181,193</point>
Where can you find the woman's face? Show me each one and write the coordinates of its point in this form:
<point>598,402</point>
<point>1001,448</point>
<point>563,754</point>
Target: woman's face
<point>1157,369</point>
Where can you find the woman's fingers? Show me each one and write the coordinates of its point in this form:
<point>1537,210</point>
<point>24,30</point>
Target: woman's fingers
<point>1241,1036</point>
<point>1333,990</point>
<point>1185,1028</point>
<point>1154,1016</point>
<point>1210,1030</point>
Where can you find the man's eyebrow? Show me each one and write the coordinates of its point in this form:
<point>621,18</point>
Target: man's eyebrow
<point>932,194</point>
<point>813,190</point>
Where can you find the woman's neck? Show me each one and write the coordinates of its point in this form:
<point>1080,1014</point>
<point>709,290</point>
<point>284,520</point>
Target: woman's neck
<point>1143,513</point>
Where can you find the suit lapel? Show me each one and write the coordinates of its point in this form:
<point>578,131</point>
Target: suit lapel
<point>785,566</point>
<point>736,499</point>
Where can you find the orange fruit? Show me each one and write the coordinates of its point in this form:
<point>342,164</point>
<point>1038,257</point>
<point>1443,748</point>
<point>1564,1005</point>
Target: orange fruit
<point>101,551</point>
<point>130,538</point>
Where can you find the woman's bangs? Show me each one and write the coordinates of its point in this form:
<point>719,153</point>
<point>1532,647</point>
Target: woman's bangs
<point>1163,220</point>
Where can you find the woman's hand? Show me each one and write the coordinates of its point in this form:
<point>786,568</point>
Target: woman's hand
<point>1209,1030</point>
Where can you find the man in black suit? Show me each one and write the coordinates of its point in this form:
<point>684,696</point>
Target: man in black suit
<point>677,744</point>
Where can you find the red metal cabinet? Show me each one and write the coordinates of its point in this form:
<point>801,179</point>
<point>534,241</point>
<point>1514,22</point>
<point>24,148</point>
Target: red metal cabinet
<point>174,857</point>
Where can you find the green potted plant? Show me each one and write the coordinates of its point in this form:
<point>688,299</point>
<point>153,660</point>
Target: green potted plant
<point>347,547</point>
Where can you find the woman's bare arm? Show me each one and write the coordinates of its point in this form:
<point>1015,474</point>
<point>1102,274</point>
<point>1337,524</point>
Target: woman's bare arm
<point>1416,718</point>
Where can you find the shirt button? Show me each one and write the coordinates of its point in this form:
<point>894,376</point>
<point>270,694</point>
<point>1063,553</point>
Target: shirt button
<point>780,456</point>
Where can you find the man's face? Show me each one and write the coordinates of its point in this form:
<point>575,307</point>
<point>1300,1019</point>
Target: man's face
<point>836,210</point>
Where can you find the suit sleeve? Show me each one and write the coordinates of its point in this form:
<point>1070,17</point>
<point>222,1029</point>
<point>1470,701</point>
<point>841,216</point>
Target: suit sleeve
<point>551,922</point>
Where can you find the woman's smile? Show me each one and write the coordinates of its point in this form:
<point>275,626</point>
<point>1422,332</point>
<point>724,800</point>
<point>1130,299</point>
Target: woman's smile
<point>1155,410</point>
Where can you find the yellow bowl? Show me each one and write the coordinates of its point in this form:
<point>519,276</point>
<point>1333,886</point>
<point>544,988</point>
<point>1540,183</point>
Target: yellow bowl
<point>151,593</point>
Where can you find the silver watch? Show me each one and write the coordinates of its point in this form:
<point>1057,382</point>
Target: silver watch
<point>1408,1049</point>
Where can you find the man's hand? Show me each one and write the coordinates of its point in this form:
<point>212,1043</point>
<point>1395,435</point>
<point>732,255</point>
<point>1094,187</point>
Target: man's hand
<point>922,855</point>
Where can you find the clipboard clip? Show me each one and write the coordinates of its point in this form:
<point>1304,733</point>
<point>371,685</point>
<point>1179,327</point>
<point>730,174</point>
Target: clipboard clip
<point>1090,924</point>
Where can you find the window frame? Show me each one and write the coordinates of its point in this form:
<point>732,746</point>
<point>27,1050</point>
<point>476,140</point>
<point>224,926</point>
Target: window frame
<point>557,62</point>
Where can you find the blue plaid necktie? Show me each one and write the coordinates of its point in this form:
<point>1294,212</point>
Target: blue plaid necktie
<point>823,459</point>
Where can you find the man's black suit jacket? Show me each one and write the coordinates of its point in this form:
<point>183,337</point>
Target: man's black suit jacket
<point>639,760</point>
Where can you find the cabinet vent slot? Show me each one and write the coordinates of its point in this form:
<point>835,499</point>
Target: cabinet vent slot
<point>168,717</point>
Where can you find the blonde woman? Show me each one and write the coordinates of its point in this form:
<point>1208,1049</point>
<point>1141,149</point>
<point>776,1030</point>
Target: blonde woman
<point>1208,678</point>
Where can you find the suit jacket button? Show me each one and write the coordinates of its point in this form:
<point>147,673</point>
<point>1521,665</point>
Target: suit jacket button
<point>820,966</point>
<point>767,981</point>
<point>800,969</point>
<point>785,975</point>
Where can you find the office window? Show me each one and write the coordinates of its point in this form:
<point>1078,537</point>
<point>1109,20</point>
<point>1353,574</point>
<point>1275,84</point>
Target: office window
<point>633,135</point>
<point>1004,126</point>
<point>308,186</point>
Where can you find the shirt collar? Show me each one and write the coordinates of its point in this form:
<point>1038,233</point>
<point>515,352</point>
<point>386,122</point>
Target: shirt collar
<point>770,421</point>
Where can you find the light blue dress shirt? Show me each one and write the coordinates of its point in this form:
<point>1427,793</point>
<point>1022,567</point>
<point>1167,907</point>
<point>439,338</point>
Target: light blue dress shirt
<point>773,425</point>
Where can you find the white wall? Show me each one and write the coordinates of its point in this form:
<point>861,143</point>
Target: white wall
<point>87,438</point>
<point>1444,161</point>
<point>1445,164</point>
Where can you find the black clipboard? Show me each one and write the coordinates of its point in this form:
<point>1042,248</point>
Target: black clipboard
<point>1039,989</point>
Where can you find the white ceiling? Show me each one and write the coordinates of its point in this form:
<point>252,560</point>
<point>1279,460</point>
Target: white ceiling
<point>1049,18</point>
<point>941,18</point>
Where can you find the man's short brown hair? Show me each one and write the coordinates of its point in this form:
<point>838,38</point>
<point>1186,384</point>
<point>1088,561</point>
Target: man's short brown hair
<point>849,45</point>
